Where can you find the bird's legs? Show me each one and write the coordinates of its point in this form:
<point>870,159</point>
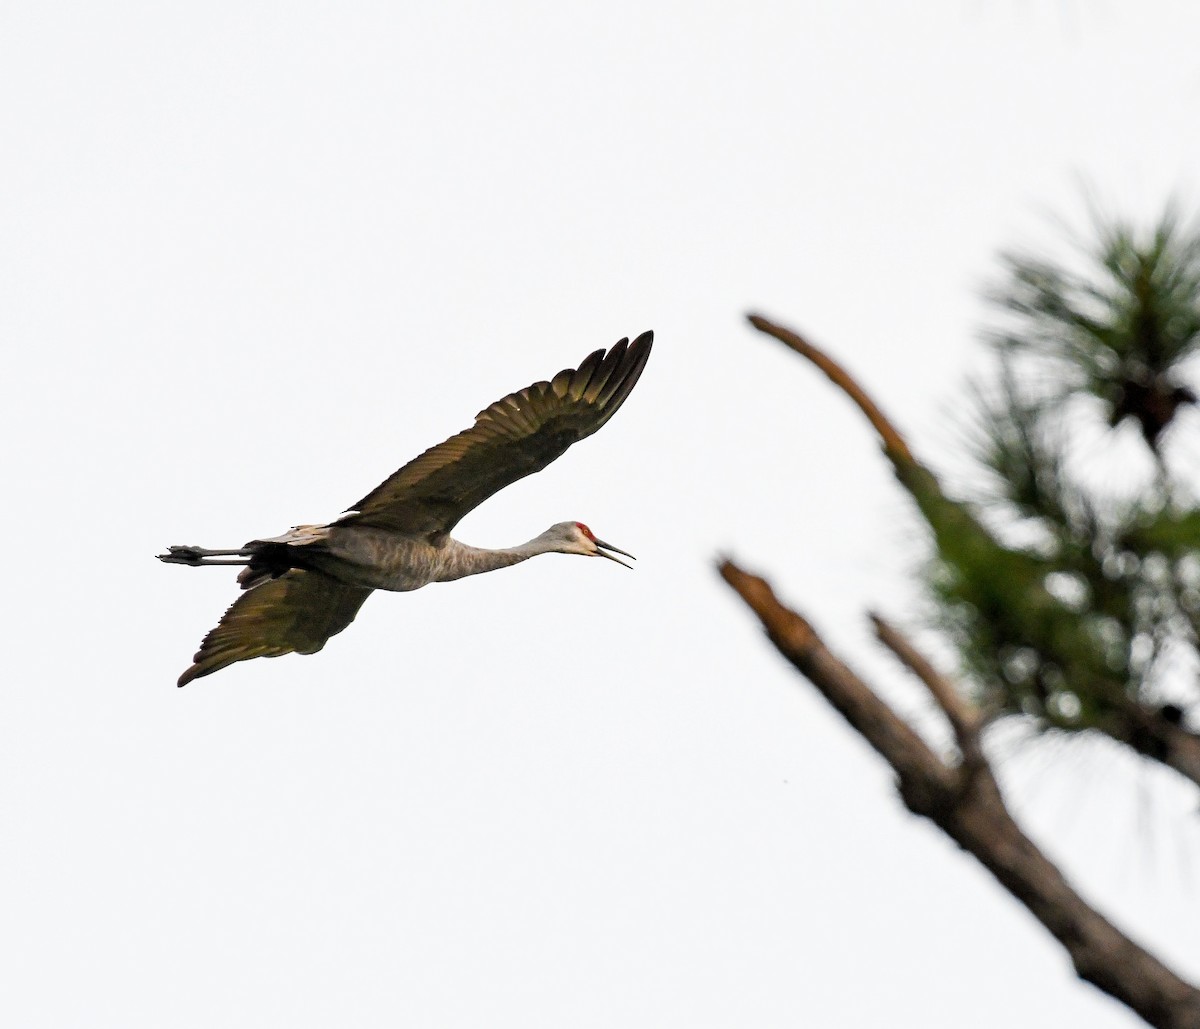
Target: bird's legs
<point>199,556</point>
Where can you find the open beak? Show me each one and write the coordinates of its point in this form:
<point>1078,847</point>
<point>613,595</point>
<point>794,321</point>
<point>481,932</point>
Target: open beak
<point>602,548</point>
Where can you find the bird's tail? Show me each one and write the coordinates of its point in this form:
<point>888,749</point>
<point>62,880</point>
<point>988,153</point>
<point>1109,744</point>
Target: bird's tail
<point>269,561</point>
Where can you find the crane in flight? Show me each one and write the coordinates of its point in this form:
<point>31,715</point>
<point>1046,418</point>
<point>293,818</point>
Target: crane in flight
<point>307,585</point>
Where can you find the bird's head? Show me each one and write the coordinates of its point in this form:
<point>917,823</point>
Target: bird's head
<point>577,538</point>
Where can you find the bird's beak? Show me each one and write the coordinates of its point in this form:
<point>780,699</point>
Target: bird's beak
<point>601,547</point>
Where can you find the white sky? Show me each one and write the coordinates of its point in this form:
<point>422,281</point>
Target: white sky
<point>255,256</point>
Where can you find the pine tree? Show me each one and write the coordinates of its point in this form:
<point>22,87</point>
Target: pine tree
<point>1075,625</point>
<point>1065,599</point>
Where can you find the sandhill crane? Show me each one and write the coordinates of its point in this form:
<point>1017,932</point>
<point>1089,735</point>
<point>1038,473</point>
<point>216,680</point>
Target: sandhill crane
<point>307,585</point>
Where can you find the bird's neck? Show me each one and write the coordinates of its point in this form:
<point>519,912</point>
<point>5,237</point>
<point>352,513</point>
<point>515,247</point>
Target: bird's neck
<point>462,559</point>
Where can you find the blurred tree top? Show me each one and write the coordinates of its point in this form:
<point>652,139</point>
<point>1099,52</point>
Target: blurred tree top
<point>1091,622</point>
<point>1071,597</point>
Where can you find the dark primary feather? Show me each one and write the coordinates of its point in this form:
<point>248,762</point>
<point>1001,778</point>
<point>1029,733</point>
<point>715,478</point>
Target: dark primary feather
<point>299,611</point>
<point>514,437</point>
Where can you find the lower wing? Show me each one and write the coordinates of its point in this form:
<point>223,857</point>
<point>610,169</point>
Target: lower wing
<point>297,612</point>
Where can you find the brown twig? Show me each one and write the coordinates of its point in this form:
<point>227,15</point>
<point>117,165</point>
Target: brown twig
<point>893,442</point>
<point>963,717</point>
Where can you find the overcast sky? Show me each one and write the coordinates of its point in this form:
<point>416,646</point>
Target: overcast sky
<point>255,256</point>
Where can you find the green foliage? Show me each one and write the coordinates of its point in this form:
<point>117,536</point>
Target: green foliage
<point>1118,330</point>
<point>1061,599</point>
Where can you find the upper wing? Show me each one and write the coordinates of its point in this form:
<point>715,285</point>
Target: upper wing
<point>298,612</point>
<point>514,437</point>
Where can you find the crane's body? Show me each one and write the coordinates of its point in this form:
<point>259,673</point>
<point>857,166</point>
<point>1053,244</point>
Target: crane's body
<point>377,559</point>
<point>306,585</point>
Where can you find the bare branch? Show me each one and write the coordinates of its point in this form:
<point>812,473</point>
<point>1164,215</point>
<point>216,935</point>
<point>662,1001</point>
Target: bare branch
<point>893,442</point>
<point>964,719</point>
<point>967,805</point>
<point>901,746</point>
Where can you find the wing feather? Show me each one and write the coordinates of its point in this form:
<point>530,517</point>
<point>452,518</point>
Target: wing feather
<point>297,612</point>
<point>516,436</point>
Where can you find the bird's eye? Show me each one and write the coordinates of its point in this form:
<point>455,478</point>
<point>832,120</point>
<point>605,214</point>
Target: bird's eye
<point>585,530</point>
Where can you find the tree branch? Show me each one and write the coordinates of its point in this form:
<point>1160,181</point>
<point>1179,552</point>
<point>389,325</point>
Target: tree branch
<point>897,742</point>
<point>957,532</point>
<point>966,804</point>
<point>964,719</point>
<point>1146,731</point>
<point>893,442</point>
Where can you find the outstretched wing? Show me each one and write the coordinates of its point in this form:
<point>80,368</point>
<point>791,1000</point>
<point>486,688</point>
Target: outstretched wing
<point>514,437</point>
<point>298,612</point>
